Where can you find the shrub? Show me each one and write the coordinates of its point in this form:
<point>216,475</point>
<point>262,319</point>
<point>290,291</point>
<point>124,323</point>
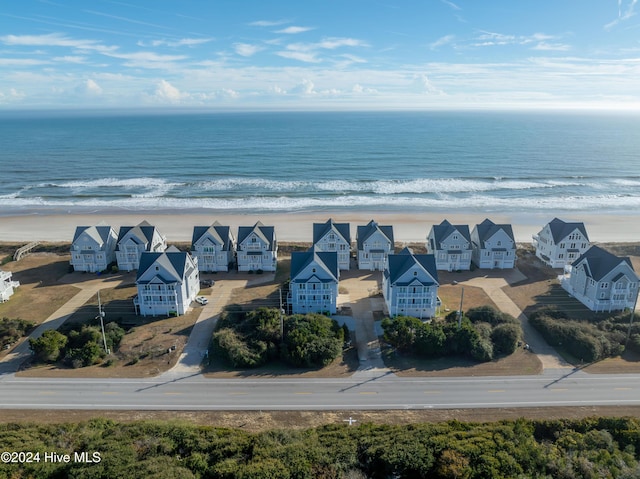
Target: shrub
<point>311,340</point>
<point>49,346</point>
<point>505,338</point>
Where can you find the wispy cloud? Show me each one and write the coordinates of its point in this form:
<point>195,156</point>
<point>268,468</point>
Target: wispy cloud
<point>268,23</point>
<point>626,10</point>
<point>188,42</point>
<point>451,4</point>
<point>306,57</point>
<point>536,41</point>
<point>246,49</point>
<point>557,47</point>
<point>442,41</point>
<point>309,52</point>
<point>292,30</point>
<point>54,40</point>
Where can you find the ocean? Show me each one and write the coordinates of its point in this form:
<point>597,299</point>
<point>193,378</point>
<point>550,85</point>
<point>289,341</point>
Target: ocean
<point>323,161</point>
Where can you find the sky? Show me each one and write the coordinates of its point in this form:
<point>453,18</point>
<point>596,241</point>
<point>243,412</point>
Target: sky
<point>315,55</point>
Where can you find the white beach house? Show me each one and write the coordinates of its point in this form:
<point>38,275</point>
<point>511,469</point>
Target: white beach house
<point>93,248</point>
<point>7,285</point>
<point>559,243</point>
<point>602,281</point>
<point>374,244</point>
<point>451,246</point>
<point>214,246</point>
<point>134,240</point>
<point>257,248</point>
<point>167,283</point>
<point>410,284</point>
<point>494,246</point>
<point>334,237</point>
<point>314,281</point>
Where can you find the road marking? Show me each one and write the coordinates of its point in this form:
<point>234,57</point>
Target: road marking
<point>496,390</point>
<point>173,393</point>
<point>558,389</point>
<point>238,394</point>
<point>109,392</point>
<point>367,392</point>
<point>302,392</point>
<point>622,389</point>
<point>433,392</point>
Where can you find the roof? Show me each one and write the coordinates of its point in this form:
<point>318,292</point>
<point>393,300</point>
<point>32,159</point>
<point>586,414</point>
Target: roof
<point>327,260</point>
<point>100,234</point>
<point>599,262</point>
<point>175,266</point>
<point>560,229</point>
<point>321,229</point>
<point>445,229</point>
<point>266,233</point>
<point>222,234</point>
<point>364,232</point>
<point>141,233</point>
<point>488,228</point>
<point>401,263</point>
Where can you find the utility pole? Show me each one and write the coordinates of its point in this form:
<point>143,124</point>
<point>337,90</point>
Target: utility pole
<point>633,311</point>
<point>281,317</point>
<point>460,309</point>
<point>101,317</point>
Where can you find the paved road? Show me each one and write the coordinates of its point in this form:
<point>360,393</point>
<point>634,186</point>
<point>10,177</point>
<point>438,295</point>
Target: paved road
<point>386,391</point>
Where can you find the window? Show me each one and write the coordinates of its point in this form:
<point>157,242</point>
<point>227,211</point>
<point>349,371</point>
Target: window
<point>561,256</point>
<point>573,246</point>
<point>499,243</point>
<point>302,286</point>
<point>562,245</point>
<point>454,237</point>
<point>604,284</point>
<point>602,295</point>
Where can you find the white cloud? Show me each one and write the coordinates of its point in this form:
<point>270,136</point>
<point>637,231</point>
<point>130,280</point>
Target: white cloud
<point>189,42</point>
<point>246,49</point>
<point>442,41</point>
<point>292,30</point>
<point>71,59</point>
<point>557,47</point>
<point>268,23</point>
<point>300,56</point>
<point>306,87</point>
<point>54,40</point>
<point>451,4</point>
<point>22,62</point>
<point>166,92</point>
<point>629,11</point>
<point>93,88</point>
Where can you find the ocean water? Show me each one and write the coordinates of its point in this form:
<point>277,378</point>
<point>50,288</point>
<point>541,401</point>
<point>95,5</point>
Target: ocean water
<point>329,161</point>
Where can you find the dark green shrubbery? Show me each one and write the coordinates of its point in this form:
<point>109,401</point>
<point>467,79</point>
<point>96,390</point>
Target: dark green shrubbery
<point>587,448</point>
<point>483,334</point>
<point>79,347</point>
<point>13,329</point>
<point>248,340</point>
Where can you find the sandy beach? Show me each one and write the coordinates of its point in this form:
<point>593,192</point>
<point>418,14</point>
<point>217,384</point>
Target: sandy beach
<point>408,227</point>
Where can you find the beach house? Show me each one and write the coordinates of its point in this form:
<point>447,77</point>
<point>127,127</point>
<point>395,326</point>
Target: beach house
<point>602,281</point>
<point>134,240</point>
<point>314,281</point>
<point>410,284</point>
<point>559,243</point>
<point>167,283</point>
<point>451,246</point>
<point>374,243</point>
<point>214,246</point>
<point>7,285</point>
<point>494,246</point>
<point>333,237</point>
<point>93,248</point>
<point>257,248</point>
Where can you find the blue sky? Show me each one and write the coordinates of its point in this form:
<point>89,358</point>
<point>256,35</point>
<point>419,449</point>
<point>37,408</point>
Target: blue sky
<point>310,54</point>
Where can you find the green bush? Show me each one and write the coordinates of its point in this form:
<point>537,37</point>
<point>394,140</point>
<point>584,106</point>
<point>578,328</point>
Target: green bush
<point>311,340</point>
<point>13,329</point>
<point>505,338</point>
<point>50,346</point>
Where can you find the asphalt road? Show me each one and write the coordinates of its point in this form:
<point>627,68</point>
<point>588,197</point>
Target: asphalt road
<point>379,390</point>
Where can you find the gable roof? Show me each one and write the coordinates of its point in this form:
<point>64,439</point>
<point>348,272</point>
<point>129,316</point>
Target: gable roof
<point>266,233</point>
<point>220,233</point>
<point>141,233</point>
<point>488,228</point>
<point>364,232</point>
<point>599,262</point>
<point>175,266</point>
<point>560,229</point>
<point>402,262</point>
<point>100,234</point>
<point>328,261</point>
<point>321,229</point>
<point>446,229</point>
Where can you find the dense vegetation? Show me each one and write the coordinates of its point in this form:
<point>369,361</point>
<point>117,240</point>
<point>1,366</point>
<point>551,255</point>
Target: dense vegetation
<point>252,339</point>
<point>13,329</point>
<point>587,341</point>
<point>482,335</point>
<point>590,448</point>
<point>81,345</point>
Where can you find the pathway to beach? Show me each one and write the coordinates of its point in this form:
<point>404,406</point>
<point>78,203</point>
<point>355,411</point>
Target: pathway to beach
<point>494,288</point>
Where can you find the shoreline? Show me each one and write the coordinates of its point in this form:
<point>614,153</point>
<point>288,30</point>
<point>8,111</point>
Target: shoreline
<point>409,227</point>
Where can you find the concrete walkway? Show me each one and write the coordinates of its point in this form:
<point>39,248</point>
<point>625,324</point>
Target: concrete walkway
<point>493,287</point>
<point>195,350</point>
<point>360,287</point>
